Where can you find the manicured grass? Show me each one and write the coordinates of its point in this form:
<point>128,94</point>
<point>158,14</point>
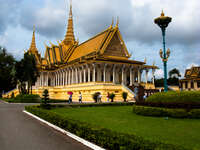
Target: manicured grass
<point>121,119</point>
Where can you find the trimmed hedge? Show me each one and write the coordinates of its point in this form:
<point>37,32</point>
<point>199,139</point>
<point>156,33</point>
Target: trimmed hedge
<point>175,96</point>
<point>27,98</point>
<point>186,105</point>
<point>103,137</point>
<point>165,112</point>
<point>95,104</point>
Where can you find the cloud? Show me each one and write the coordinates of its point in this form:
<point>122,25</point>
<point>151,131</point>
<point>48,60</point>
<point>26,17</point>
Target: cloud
<point>48,19</point>
<point>9,10</point>
<point>159,73</point>
<point>142,36</point>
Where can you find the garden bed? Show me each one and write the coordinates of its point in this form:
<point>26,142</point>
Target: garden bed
<point>118,128</point>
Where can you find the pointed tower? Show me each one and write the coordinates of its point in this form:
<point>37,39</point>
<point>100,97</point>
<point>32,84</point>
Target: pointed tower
<point>33,47</point>
<point>69,36</point>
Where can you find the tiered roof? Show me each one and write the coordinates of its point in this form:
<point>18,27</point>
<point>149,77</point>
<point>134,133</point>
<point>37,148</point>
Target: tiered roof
<point>108,46</point>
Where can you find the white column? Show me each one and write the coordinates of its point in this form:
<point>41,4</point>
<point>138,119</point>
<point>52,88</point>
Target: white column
<point>80,75</point>
<point>72,75</point>
<point>66,76</point>
<point>123,74</point>
<point>63,77</point>
<point>131,76</point>
<point>57,78</point>
<point>69,76</point>
<point>147,75</point>
<point>42,79</point>
<point>94,73</point>
<point>153,74</point>
<point>76,75</point>
<point>84,74</point>
<point>114,74</point>
<point>139,75</point>
<point>104,73</point>
<point>88,73</point>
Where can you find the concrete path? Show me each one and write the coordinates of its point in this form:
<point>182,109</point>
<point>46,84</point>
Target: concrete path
<point>18,131</point>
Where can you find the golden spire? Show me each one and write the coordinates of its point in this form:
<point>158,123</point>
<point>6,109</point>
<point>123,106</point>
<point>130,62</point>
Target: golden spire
<point>33,45</point>
<point>162,13</point>
<point>69,36</point>
<point>112,23</point>
<point>117,21</point>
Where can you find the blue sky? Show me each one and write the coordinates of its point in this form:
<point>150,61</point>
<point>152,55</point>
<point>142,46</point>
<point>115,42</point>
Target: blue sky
<point>141,35</point>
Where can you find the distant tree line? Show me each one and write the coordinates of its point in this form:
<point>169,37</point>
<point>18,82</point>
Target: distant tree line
<point>12,72</point>
<point>173,79</point>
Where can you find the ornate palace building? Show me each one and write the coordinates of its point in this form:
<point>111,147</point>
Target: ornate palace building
<point>191,80</point>
<point>100,64</point>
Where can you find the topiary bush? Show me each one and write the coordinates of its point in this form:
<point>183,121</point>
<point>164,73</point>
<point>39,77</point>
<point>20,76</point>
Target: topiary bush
<point>124,96</point>
<point>112,96</point>
<point>45,99</point>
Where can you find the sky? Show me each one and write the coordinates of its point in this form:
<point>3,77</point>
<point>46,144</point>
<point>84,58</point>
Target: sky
<point>136,23</point>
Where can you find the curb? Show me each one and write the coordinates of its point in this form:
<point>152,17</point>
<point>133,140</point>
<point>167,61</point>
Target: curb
<point>73,136</point>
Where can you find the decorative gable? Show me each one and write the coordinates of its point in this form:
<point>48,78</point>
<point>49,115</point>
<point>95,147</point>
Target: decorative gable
<point>115,47</point>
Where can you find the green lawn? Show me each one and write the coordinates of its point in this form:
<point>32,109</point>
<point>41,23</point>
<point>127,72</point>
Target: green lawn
<point>120,118</point>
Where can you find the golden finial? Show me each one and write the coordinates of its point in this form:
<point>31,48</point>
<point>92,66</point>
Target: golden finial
<point>154,63</point>
<point>162,13</point>
<point>112,21</point>
<point>145,60</point>
<point>58,42</point>
<point>33,28</point>
<point>45,44</point>
<point>117,21</point>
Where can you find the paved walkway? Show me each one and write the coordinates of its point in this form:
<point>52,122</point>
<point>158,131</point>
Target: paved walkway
<point>19,131</point>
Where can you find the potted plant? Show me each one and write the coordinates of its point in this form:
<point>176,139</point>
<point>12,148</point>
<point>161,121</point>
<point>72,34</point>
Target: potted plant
<point>112,96</point>
<point>124,96</point>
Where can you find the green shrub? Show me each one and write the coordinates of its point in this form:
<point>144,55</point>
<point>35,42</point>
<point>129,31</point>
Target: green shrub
<point>27,98</point>
<point>166,112</point>
<point>103,137</point>
<point>94,104</point>
<point>112,96</point>
<point>175,96</point>
<point>124,96</point>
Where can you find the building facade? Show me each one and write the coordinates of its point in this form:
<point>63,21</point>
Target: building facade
<point>191,79</point>
<point>100,64</point>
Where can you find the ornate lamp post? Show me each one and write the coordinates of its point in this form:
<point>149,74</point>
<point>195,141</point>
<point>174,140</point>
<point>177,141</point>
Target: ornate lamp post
<point>163,22</point>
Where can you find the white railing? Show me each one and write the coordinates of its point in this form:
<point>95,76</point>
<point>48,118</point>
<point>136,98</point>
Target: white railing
<point>124,86</point>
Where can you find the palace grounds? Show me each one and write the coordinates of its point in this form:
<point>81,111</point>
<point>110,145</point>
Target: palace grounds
<point>122,120</point>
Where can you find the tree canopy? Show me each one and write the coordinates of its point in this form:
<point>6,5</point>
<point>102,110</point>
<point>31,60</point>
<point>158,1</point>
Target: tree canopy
<point>174,73</point>
<point>7,71</point>
<point>26,72</point>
